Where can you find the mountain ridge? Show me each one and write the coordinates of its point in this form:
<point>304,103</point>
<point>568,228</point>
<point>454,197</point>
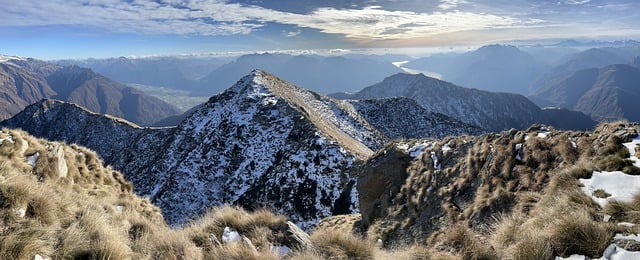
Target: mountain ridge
<point>261,142</point>
<point>26,80</point>
<point>493,111</point>
<point>606,94</point>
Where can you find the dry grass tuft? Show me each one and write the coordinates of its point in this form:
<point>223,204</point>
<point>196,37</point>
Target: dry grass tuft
<point>334,245</point>
<point>579,234</point>
<point>467,243</point>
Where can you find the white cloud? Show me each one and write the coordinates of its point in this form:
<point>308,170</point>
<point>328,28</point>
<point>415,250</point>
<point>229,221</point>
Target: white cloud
<point>291,33</point>
<point>217,17</point>
<point>450,4</point>
<point>577,2</point>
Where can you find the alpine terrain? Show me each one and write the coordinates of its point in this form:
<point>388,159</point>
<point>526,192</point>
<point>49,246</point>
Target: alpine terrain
<point>25,81</point>
<point>493,111</point>
<point>262,142</point>
<point>607,94</point>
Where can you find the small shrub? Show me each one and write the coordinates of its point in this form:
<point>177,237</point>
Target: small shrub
<point>505,230</point>
<point>461,239</point>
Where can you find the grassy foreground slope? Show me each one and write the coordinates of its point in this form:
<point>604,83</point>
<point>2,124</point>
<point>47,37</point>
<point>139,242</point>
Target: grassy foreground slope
<point>58,201</point>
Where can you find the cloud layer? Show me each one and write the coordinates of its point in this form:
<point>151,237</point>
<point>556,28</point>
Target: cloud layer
<point>368,21</point>
<point>215,17</point>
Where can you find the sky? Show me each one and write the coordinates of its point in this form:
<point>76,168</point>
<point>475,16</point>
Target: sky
<point>60,29</point>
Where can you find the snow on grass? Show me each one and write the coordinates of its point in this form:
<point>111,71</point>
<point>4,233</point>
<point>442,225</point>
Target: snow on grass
<point>8,139</point>
<point>632,150</point>
<point>519,152</point>
<point>620,185</point>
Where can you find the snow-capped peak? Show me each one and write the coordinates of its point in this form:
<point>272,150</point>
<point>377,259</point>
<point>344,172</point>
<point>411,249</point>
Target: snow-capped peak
<point>8,58</point>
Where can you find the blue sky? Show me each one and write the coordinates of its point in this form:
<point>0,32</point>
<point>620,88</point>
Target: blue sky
<point>57,29</point>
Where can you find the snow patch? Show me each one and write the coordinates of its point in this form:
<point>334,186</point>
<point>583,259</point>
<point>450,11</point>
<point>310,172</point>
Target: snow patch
<point>229,235</point>
<point>32,159</point>
<point>620,185</point>
<point>635,237</point>
<point>446,148</point>
<point>519,152</point>
<point>417,149</point>
<point>280,251</point>
<point>434,158</point>
<point>612,252</point>
<point>632,150</point>
<point>8,139</point>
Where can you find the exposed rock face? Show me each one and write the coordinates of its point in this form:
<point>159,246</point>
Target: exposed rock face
<point>401,117</point>
<point>26,81</point>
<point>380,181</point>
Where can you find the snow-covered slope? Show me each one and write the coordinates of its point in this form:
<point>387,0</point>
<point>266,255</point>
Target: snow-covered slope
<point>263,142</point>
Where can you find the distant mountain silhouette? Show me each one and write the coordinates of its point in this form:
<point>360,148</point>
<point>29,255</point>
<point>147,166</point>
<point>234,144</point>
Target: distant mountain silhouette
<point>606,94</point>
<point>497,68</point>
<point>321,74</point>
<point>588,59</point>
<point>173,72</point>
<point>28,80</point>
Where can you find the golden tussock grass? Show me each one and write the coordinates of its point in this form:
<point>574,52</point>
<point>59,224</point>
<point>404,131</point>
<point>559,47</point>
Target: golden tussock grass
<point>342,245</point>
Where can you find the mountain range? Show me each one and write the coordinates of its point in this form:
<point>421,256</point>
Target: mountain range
<point>493,111</point>
<point>497,68</point>
<point>606,94</point>
<point>209,76</point>
<point>180,72</point>
<point>261,142</point>
<point>25,81</point>
<point>588,59</point>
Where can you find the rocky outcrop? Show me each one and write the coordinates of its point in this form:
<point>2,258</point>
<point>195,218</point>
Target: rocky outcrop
<point>378,183</point>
